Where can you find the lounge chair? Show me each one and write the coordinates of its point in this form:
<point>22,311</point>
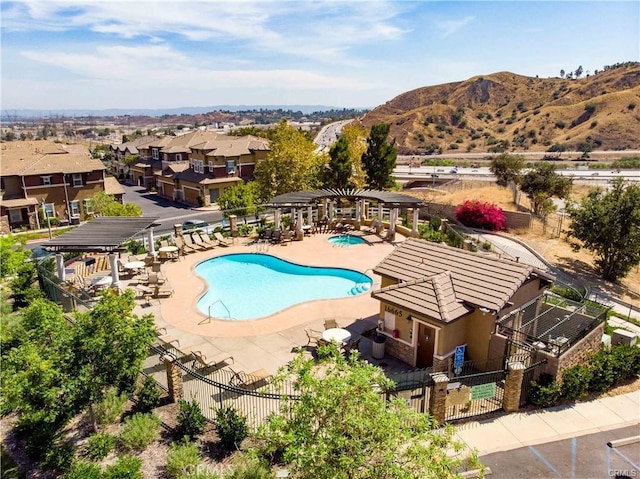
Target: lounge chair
<point>162,292</point>
<point>330,323</point>
<point>204,237</point>
<point>189,242</point>
<point>197,239</point>
<point>165,338</point>
<point>222,241</point>
<point>215,362</point>
<point>153,279</point>
<point>183,247</point>
<point>251,380</point>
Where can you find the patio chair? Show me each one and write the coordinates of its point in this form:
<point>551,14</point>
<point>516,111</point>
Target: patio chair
<point>352,345</point>
<point>313,337</point>
<point>165,338</point>
<point>204,237</point>
<point>222,241</point>
<point>190,242</point>
<point>183,247</point>
<point>162,292</point>
<point>330,323</point>
<point>215,362</point>
<point>277,237</point>
<point>251,380</point>
<point>153,279</point>
<point>197,239</point>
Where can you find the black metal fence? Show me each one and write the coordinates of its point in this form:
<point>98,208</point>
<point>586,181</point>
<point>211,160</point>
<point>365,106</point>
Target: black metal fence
<point>475,394</point>
<point>414,387</point>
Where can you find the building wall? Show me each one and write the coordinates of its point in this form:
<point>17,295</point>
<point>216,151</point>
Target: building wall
<point>528,291</point>
<point>513,219</point>
<point>479,327</point>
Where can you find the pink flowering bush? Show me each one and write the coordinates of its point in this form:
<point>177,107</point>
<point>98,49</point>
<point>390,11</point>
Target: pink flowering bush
<point>479,214</point>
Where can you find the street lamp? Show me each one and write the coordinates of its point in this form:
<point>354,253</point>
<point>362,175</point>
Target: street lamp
<point>46,215</point>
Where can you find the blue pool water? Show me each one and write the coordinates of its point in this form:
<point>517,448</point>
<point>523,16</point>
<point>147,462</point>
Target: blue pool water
<point>247,286</point>
<point>345,240</point>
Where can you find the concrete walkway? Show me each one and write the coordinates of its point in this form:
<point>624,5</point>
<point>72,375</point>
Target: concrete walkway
<point>512,431</point>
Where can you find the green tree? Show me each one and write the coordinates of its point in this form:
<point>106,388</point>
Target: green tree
<point>337,173</point>
<point>342,427</point>
<point>240,200</point>
<point>291,165</point>
<point>507,168</point>
<point>356,137</point>
<point>12,255</point>
<point>541,183</point>
<point>379,160</point>
<point>608,223</point>
<point>127,160</point>
<point>23,285</point>
<point>106,205</point>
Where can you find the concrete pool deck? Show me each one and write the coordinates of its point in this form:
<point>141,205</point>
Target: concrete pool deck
<point>269,342</point>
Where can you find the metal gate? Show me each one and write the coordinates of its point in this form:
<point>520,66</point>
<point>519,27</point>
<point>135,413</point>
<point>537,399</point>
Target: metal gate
<point>414,387</point>
<point>475,394</point>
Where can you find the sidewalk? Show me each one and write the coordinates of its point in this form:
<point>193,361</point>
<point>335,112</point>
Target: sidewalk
<point>512,431</point>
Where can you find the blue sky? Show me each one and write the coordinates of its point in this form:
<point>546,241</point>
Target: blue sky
<point>164,54</point>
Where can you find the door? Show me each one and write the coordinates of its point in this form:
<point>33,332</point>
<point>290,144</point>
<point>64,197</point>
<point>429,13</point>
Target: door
<point>426,344</point>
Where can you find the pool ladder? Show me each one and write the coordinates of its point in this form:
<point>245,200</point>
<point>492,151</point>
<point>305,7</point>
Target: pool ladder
<point>208,320</point>
<point>262,245</point>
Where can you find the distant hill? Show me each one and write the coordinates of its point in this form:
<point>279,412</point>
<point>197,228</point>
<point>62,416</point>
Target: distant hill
<point>508,112</point>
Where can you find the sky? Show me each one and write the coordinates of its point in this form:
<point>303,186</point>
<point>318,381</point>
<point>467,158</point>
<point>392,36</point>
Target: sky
<point>167,54</point>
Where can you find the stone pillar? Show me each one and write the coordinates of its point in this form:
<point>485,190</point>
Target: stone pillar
<point>276,218</point>
<point>152,246</point>
<point>356,223</point>
<point>440,364</point>
<point>443,225</point>
<point>177,229</point>
<point>233,225</point>
<point>438,397</point>
<point>113,262</point>
<point>513,387</point>
<point>414,223</point>
<point>174,379</point>
<point>60,267</point>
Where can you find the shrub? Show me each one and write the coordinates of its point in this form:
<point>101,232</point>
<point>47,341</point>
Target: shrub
<point>190,419</point>
<point>479,214</point>
<point>545,392</point>
<point>127,467</point>
<point>110,409</point>
<point>249,467</point>
<point>148,395</point>
<point>139,431</point>
<point>575,382</point>
<point>603,368</point>
<point>182,459</point>
<point>231,426</point>
<point>100,445</point>
<point>59,457</point>
<point>84,470</point>
<point>40,435</point>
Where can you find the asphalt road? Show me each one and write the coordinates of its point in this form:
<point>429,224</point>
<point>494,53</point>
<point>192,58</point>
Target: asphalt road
<point>583,457</point>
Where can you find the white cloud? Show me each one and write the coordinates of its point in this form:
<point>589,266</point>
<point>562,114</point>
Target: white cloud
<point>449,27</point>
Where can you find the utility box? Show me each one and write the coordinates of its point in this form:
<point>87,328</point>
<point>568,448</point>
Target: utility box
<point>622,336</point>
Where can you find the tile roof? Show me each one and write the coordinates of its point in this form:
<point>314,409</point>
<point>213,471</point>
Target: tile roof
<point>444,282</point>
<point>133,145</point>
<point>183,143</point>
<point>112,187</point>
<point>45,157</point>
<point>228,146</point>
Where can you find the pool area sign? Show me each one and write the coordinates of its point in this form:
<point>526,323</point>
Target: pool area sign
<point>458,359</point>
<point>483,391</point>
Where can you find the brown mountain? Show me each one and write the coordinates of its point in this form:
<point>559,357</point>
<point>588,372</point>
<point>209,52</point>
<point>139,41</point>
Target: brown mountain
<point>508,112</point>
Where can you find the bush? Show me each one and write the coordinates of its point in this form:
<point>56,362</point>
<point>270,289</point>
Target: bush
<point>100,445</point>
<point>231,426</point>
<point>127,467</point>
<point>110,409</point>
<point>479,214</point>
<point>148,395</point>
<point>182,459</point>
<point>190,419</point>
<point>575,382</point>
<point>40,435</point>
<point>139,431</point>
<point>249,467</point>
<point>603,369</point>
<point>59,458</point>
<point>545,392</point>
<point>84,470</point>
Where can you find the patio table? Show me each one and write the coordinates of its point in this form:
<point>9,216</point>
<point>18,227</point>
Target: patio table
<point>134,266</point>
<point>339,335</point>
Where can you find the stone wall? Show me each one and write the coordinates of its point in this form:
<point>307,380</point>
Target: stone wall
<point>399,350</point>
<point>579,352</point>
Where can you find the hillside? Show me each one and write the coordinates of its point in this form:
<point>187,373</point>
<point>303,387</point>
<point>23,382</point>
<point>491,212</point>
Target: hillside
<point>508,112</point>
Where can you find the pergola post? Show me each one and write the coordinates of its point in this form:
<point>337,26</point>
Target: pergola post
<point>331,211</point>
<point>310,215</point>
<point>152,246</point>
<point>379,222</point>
<point>276,218</point>
<point>299,232</point>
<point>293,217</point>
<point>356,223</point>
<point>414,223</point>
<point>393,218</point>
<point>60,267</point>
<point>113,261</point>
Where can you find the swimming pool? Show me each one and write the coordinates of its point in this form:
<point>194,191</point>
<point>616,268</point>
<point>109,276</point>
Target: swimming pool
<point>251,285</point>
<point>345,240</point>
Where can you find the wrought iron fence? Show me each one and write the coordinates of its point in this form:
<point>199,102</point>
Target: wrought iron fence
<point>475,394</point>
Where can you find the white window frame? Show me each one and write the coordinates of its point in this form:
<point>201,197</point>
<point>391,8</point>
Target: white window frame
<point>178,156</point>
<point>77,180</point>
<point>88,209</point>
<point>49,210</point>
<point>15,215</point>
<point>154,153</point>
<point>230,166</point>
<point>46,180</point>
<point>198,166</point>
<point>74,208</point>
<point>211,166</point>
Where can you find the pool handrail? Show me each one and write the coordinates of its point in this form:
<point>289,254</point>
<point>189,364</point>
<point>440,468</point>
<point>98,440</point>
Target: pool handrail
<point>223,305</point>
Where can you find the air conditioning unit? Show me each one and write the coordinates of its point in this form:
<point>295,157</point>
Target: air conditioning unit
<point>622,336</point>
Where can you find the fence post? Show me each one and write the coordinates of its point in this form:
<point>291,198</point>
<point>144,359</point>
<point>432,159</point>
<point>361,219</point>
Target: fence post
<point>513,386</point>
<point>174,378</point>
<point>438,397</point>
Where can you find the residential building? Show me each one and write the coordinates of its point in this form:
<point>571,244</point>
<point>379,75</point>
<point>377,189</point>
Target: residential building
<point>43,179</point>
<point>119,167</point>
<point>434,298</point>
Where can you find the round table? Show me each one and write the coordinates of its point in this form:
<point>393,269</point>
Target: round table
<point>100,283</point>
<point>134,265</point>
<point>339,335</point>
<point>170,250</point>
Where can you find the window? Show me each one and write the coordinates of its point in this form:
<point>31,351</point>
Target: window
<point>231,167</point>
<point>179,157</point>
<point>49,210</point>
<point>154,153</point>
<point>77,179</point>
<point>214,194</point>
<point>46,180</point>
<point>15,216</point>
<point>74,208</point>
<point>211,165</point>
<point>88,207</point>
<point>198,166</point>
